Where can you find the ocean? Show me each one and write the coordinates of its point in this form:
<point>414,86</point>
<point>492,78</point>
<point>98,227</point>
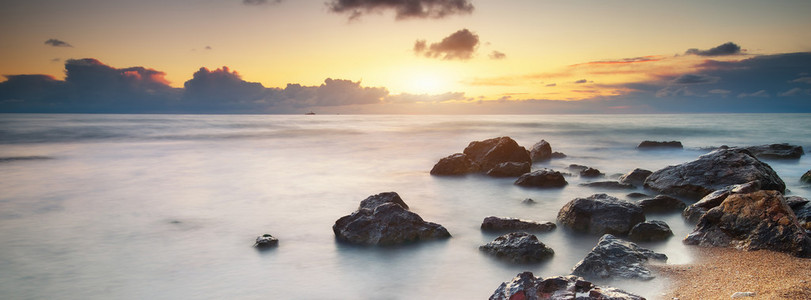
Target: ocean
<point>169,206</point>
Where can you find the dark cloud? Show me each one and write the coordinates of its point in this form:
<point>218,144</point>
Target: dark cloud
<point>497,55</point>
<point>333,92</point>
<point>695,79</point>
<point>729,48</point>
<point>581,81</point>
<point>222,89</point>
<point>207,48</point>
<point>57,43</point>
<point>551,84</point>
<point>260,2</point>
<point>632,60</point>
<point>459,45</point>
<point>404,9</point>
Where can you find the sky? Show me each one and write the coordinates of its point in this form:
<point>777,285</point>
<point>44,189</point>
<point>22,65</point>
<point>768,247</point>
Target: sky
<point>405,56</point>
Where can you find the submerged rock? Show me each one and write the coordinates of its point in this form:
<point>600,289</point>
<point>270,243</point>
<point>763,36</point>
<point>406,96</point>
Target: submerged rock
<point>714,171</point>
<point>591,172</point>
<point>509,169</point>
<point>266,241</point>
<point>615,258</point>
<point>777,151</point>
<point>493,223</point>
<point>636,195</point>
<point>388,223</point>
<point>661,204</point>
<point>614,185</point>
<point>456,164</point>
<point>694,212</point>
<point>541,151</point>
<point>518,247</point>
<point>558,155</point>
<point>752,221</point>
<point>655,144</point>
<point>525,286</point>
<point>543,179</point>
<point>649,231</point>
<point>599,214</point>
<point>636,177</point>
<point>528,201</point>
<point>806,177</point>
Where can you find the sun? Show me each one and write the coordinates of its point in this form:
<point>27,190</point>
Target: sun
<point>421,80</point>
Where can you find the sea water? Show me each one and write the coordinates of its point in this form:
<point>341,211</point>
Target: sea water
<point>169,206</point>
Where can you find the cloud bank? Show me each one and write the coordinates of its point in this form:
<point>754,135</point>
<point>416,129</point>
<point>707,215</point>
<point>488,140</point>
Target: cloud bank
<point>460,45</point>
<point>404,9</point>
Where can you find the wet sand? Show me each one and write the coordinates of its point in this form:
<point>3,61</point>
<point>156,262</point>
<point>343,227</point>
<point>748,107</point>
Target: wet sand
<point>718,273</point>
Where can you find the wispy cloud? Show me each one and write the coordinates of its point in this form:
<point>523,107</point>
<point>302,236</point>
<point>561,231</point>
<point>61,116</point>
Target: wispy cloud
<point>57,43</point>
<point>460,45</point>
<point>729,48</point>
<point>497,55</point>
<point>404,9</point>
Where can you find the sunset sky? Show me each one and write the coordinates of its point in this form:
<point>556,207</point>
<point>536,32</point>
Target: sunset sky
<point>409,56</point>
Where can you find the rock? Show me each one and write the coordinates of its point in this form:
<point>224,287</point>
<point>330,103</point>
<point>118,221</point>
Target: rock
<point>795,201</point>
<point>694,212</point>
<point>803,214</point>
<point>609,185</point>
<point>591,172</point>
<point>743,294</point>
<point>541,151</point>
<point>577,168</point>
<point>778,151</point>
<point>753,221</point>
<point>528,201</point>
<point>636,177</point>
<point>518,247</point>
<point>661,204</point>
<point>266,241</point>
<point>376,200</point>
<point>615,258</point>
<point>806,177</point>
<point>489,153</point>
<point>456,164</point>
<point>714,171</point>
<point>654,144</point>
<point>493,223</point>
<point>386,224</point>
<point>542,178</point>
<point>525,286</point>
<point>558,155</point>
<point>649,231</point>
<point>637,195</point>
<point>599,214</point>
<point>509,169</point>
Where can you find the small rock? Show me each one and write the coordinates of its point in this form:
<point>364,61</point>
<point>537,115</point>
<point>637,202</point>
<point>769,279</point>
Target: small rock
<point>456,164</point>
<point>599,214</point>
<point>591,172</point>
<point>661,204</point>
<point>614,185</point>
<point>509,169</point>
<point>777,151</point>
<point>558,155</point>
<point>541,151</point>
<point>806,177</point>
<point>636,177</point>
<point>636,195</point>
<point>576,167</point>
<point>493,223</point>
<point>518,247</point>
<point>542,178</point>
<point>266,241</point>
<point>655,144</point>
<point>743,294</point>
<point>615,258</point>
<point>650,231</point>
<point>528,201</point>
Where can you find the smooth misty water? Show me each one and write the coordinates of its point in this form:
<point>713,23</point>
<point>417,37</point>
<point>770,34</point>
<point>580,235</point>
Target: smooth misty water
<point>168,206</point>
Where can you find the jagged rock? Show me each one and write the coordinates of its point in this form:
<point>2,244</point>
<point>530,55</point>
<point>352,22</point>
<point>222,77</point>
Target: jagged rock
<point>558,155</point>
<point>778,151</point>
<point>542,178</point>
<point>694,212</point>
<point>525,286</point>
<point>599,214</point>
<point>655,144</point>
<point>491,152</point>
<point>713,171</point>
<point>266,241</point>
<point>636,177</point>
<point>376,200</point>
<point>636,195</point>
<point>509,169</point>
<point>614,185</point>
<point>661,204</point>
<point>753,221</point>
<point>802,210</point>
<point>615,258</point>
<point>541,151</point>
<point>493,223</point>
<point>591,172</point>
<point>456,164</point>
<point>650,231</point>
<point>806,177</point>
<point>795,201</point>
<point>386,224</point>
<point>518,247</point>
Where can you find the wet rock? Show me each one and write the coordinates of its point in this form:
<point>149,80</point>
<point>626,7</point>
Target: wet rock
<point>456,164</point>
<point>493,223</point>
<point>650,231</point>
<point>655,144</point>
<point>615,258</point>
<point>777,151</point>
<point>694,212</point>
<point>489,153</point>
<point>599,214</point>
<point>714,171</point>
<point>525,286</point>
<point>806,177</point>
<point>518,247</point>
<point>661,204</point>
<point>803,213</point>
<point>543,179</point>
<point>558,155</point>
<point>541,151</point>
<point>577,168</point>
<point>376,200</point>
<point>614,185</point>
<point>591,172</point>
<point>753,221</point>
<point>637,195</point>
<point>509,169</point>
<point>266,241</point>
<point>386,224</point>
<point>636,177</point>
<point>528,201</point>
<point>795,201</point>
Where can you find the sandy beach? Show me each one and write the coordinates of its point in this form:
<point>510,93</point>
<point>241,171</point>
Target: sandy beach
<point>718,273</point>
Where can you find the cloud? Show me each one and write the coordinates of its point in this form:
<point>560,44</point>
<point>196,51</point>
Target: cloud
<point>404,9</point>
<point>758,94</point>
<point>260,2</point>
<point>802,80</point>
<point>633,60</point>
<point>551,84</point>
<point>460,45</point>
<point>695,79</point>
<point>221,89</point>
<point>497,55</point>
<point>581,81</point>
<point>57,43</point>
<point>721,92</point>
<point>333,92</point>
<point>729,48</point>
<point>794,92</point>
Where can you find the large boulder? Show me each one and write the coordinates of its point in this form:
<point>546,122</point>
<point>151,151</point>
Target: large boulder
<point>518,247</point>
<point>510,169</point>
<point>388,223</point>
<point>694,212</point>
<point>753,221</point>
<point>541,151</point>
<point>649,231</point>
<point>544,178</point>
<point>661,204</point>
<point>777,151</point>
<point>600,214</point>
<point>455,164</point>
<point>713,171</point>
<point>615,258</point>
<point>493,223</point>
<point>489,153</point>
<point>654,145</point>
<point>635,177</point>
<point>525,286</point>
